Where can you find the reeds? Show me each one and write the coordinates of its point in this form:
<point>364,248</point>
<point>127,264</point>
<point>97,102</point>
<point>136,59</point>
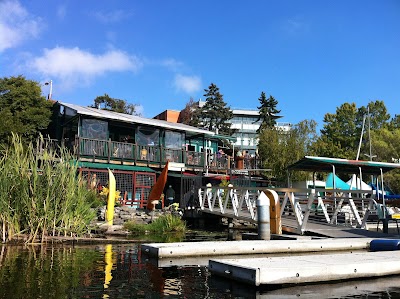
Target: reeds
<point>41,195</point>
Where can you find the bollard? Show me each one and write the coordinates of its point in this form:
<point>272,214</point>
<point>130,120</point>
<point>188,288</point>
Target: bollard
<point>264,230</point>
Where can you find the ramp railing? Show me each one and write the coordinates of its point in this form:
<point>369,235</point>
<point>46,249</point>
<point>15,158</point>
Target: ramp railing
<point>328,206</point>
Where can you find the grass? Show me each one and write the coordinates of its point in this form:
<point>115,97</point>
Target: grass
<point>164,224</point>
<point>41,195</point>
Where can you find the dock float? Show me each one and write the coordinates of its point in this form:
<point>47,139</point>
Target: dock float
<point>251,247</point>
<point>307,268</point>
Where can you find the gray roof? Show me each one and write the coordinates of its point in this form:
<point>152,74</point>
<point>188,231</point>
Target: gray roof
<point>133,119</point>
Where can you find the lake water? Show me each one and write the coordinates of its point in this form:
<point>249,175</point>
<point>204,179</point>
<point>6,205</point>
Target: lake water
<point>120,271</point>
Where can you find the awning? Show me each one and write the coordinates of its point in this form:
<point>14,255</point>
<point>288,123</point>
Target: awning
<point>83,164</point>
<point>323,164</point>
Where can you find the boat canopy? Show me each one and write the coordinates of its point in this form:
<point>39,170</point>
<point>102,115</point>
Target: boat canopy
<point>323,164</point>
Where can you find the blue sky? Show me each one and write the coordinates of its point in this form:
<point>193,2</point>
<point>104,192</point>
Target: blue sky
<point>312,56</point>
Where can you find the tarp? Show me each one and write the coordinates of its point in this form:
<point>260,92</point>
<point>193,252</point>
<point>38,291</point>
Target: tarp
<point>356,183</point>
<point>339,184</point>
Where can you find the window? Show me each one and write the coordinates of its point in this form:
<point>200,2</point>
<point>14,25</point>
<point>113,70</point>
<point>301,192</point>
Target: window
<point>147,136</point>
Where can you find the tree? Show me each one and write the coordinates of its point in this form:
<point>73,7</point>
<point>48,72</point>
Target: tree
<point>268,112</point>
<point>378,115</point>
<point>23,109</point>
<point>340,134</point>
<point>215,114</point>
<point>278,149</point>
<point>105,102</point>
<point>187,115</point>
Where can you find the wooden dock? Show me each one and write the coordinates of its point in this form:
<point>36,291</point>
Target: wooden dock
<point>307,268</point>
<point>333,231</point>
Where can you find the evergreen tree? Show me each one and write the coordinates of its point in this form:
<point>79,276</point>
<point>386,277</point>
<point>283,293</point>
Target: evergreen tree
<point>268,112</point>
<point>215,114</point>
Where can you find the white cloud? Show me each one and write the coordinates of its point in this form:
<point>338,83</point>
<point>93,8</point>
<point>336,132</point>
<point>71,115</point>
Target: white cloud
<point>112,16</point>
<point>188,84</point>
<point>73,65</point>
<point>16,24</point>
<point>172,64</point>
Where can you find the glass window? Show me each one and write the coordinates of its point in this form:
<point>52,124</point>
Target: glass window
<point>94,129</point>
<point>174,139</point>
<point>147,136</point>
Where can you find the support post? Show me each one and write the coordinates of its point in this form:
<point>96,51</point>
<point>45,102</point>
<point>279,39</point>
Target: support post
<point>263,224</point>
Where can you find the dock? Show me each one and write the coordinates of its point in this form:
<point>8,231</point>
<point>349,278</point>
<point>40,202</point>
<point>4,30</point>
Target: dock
<point>251,247</point>
<point>307,268</point>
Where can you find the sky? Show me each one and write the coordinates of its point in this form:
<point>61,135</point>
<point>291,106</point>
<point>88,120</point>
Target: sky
<point>311,56</point>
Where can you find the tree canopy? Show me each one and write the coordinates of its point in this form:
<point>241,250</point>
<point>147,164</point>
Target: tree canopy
<point>278,148</point>
<point>105,102</point>
<point>268,112</point>
<point>187,114</point>
<point>215,114</point>
<point>23,109</point>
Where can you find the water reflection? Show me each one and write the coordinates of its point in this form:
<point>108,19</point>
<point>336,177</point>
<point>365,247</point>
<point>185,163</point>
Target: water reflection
<point>120,271</point>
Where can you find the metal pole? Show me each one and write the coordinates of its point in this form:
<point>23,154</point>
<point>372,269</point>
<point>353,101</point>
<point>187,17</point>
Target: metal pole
<point>263,221</point>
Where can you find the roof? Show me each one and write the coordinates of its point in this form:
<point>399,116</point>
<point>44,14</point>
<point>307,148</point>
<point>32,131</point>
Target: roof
<point>133,119</point>
<point>323,164</point>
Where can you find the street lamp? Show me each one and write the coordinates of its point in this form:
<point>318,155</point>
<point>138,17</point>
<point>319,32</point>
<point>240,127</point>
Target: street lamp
<point>51,89</point>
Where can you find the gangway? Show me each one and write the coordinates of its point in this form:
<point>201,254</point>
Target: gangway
<point>325,212</point>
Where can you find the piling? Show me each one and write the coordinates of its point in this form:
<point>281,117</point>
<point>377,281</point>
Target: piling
<point>263,221</point>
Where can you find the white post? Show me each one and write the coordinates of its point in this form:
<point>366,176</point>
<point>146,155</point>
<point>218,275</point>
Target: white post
<point>263,221</point>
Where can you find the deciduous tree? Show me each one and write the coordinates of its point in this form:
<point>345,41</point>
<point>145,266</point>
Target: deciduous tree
<point>278,148</point>
<point>105,102</point>
<point>23,109</point>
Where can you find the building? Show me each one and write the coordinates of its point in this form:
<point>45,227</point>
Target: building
<point>245,122</point>
<point>136,149</point>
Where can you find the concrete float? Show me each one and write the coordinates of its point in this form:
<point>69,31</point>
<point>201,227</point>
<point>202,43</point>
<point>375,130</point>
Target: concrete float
<point>251,247</point>
<point>307,268</point>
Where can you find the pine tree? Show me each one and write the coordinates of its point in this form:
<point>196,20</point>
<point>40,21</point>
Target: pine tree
<point>215,114</point>
<point>268,112</point>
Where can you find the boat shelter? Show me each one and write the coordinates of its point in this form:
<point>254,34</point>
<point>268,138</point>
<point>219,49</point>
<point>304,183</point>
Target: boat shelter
<point>334,165</point>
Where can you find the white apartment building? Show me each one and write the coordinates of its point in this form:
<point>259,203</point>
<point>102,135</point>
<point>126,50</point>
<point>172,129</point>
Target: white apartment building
<point>246,123</point>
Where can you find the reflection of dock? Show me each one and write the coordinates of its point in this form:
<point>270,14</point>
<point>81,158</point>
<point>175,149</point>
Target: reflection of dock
<point>344,289</point>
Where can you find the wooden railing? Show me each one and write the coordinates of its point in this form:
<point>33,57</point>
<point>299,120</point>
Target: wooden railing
<point>109,150</point>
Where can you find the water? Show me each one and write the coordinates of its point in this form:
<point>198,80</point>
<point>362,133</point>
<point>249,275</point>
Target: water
<point>120,271</point>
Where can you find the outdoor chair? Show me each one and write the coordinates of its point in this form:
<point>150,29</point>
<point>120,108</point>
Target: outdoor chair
<point>383,213</point>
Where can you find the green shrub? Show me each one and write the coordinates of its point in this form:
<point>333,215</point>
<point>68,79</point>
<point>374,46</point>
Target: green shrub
<point>164,224</point>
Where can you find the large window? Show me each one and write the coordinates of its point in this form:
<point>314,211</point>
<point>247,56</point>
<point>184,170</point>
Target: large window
<point>174,140</point>
<point>147,136</point>
<point>94,129</point>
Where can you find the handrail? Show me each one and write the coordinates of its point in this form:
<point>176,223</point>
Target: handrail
<point>321,205</point>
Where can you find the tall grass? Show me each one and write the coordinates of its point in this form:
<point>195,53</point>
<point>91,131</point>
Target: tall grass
<point>41,195</point>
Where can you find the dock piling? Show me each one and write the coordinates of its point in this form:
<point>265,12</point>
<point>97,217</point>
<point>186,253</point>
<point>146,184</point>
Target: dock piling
<point>263,221</point>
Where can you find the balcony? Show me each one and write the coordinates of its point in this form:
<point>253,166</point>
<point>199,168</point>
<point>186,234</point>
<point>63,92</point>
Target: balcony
<point>107,151</point>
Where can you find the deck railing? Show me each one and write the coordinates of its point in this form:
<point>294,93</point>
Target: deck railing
<point>109,150</point>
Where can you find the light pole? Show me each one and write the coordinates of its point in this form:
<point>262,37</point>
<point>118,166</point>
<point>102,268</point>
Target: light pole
<point>51,89</point>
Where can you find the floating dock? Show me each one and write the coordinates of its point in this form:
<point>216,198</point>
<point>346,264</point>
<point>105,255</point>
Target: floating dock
<point>250,247</point>
<point>307,268</point>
